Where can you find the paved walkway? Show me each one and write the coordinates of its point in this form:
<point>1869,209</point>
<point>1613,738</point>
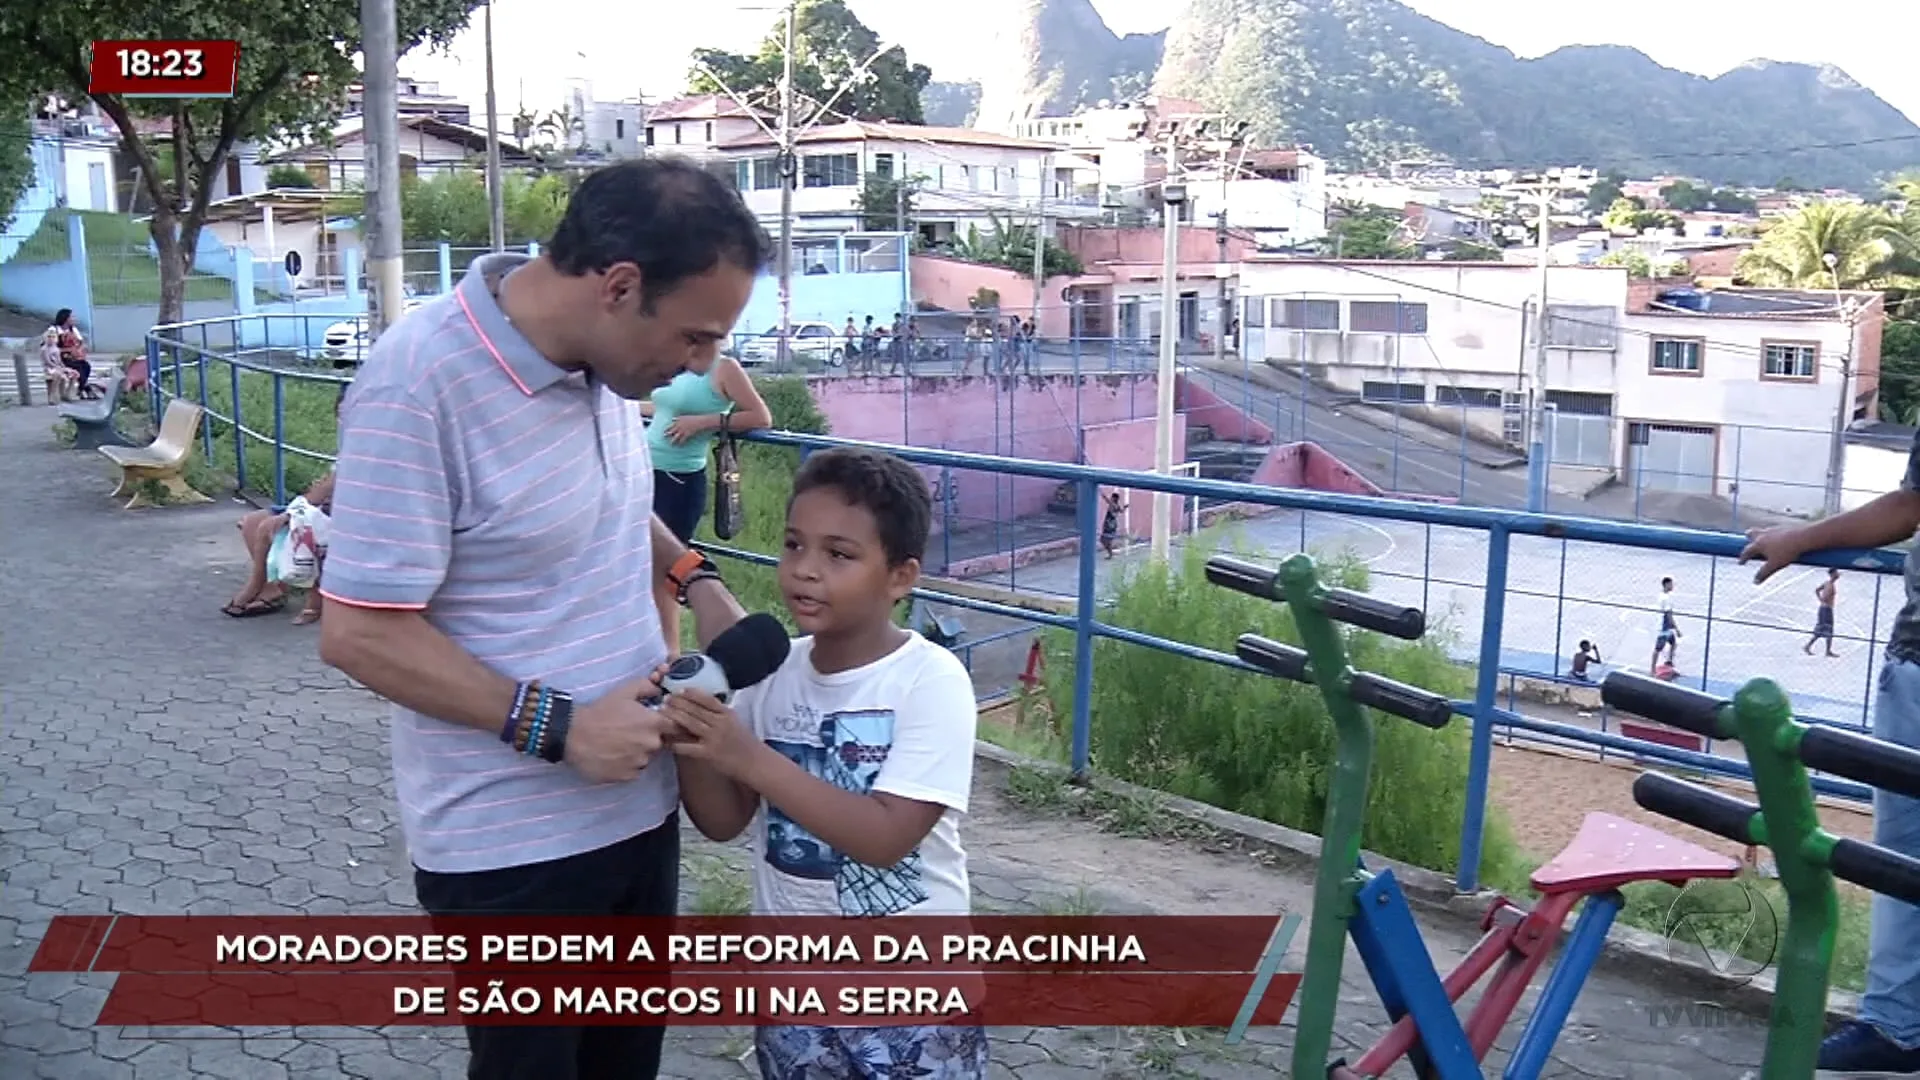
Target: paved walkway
<point>164,759</point>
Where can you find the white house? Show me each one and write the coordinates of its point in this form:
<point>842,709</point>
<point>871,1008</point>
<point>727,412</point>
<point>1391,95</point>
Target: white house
<point>695,126</point>
<point>83,178</point>
<point>272,224</point>
<point>1279,196</point>
<point>428,145</point>
<point>967,177</point>
<point>1730,392</point>
<point>1736,391</point>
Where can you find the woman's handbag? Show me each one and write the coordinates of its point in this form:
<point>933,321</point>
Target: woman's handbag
<point>729,513</point>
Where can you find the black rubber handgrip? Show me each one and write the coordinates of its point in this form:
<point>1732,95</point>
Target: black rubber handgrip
<point>1368,613</point>
<point>1423,707</point>
<point>1243,576</point>
<point>1272,657</point>
<point>1887,872</point>
<point>1700,807</point>
<point>1862,757</point>
<point>1674,706</point>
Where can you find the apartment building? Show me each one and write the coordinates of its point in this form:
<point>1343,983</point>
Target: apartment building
<point>1729,392</point>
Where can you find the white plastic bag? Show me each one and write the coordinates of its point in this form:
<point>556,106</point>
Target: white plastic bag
<point>299,556</point>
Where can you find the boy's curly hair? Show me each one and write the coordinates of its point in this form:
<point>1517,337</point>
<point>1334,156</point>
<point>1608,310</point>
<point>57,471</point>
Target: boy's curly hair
<point>891,490</point>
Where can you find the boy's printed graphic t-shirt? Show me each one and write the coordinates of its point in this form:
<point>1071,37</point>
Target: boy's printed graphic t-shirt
<point>902,725</point>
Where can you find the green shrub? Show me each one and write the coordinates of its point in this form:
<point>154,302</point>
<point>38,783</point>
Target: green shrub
<point>1262,746</point>
<point>307,423</point>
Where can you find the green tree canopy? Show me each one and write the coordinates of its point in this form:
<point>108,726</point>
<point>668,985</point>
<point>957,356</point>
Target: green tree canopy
<point>1793,252</point>
<point>296,62</point>
<point>16,161</point>
<point>830,44</point>
<point>1685,197</point>
<point>1604,191</point>
<point>452,207</point>
<point>1366,232</point>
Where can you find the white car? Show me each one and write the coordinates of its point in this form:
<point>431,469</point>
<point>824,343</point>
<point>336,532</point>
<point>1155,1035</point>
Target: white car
<point>816,341</point>
<point>345,342</point>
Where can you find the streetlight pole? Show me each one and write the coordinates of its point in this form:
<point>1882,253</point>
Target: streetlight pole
<point>496,199</point>
<point>788,169</point>
<point>380,56</point>
<point>1843,409</point>
<point>1537,465</point>
<point>1040,244</point>
<point>1172,196</point>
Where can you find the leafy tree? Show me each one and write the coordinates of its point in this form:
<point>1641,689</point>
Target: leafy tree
<point>886,200</point>
<point>1684,197</point>
<point>1367,232</point>
<point>829,45</point>
<point>16,162</point>
<point>1900,372</point>
<point>1792,253</point>
<point>452,207</point>
<point>296,62</point>
<point>1604,191</point>
<point>1627,216</point>
<point>288,176</point>
<point>1640,266</point>
<point>1011,246</point>
<point>1729,201</point>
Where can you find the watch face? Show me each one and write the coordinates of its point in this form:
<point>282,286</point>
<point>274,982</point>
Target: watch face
<point>686,667</point>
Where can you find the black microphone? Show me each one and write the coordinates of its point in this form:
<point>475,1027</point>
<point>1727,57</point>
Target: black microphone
<point>744,654</point>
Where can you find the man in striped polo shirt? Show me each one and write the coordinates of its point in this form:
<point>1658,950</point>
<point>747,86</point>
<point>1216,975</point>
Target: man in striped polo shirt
<point>492,566</point>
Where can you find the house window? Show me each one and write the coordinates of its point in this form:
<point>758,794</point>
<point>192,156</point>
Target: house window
<point>649,134</point>
<point>831,170</point>
<point>1676,356</point>
<point>1394,392</point>
<point>708,138</point>
<point>676,134</point>
<point>1254,311</point>
<point>1387,317</point>
<point>619,127</point>
<point>1789,360</point>
<point>1306,314</point>
<point>742,175</point>
<point>883,166</point>
<point>1466,397</point>
<point>766,173</point>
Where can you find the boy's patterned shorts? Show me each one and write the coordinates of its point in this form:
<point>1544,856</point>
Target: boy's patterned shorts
<point>822,1053</point>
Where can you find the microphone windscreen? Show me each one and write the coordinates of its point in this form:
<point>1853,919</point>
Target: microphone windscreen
<point>750,650</point>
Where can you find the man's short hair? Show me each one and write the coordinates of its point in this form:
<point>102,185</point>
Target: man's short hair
<point>1666,581</point>
<point>666,215</point>
<point>883,485</point>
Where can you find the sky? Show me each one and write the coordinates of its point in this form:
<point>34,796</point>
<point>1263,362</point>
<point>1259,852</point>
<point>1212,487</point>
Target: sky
<point>623,50</point>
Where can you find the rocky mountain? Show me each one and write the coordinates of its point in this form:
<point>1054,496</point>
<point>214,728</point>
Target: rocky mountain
<point>1369,81</point>
<point>950,104</point>
<point>1056,55</point>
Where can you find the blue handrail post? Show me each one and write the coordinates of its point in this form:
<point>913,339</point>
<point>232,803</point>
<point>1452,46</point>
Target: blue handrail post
<point>279,440</point>
<point>946,520</point>
<point>1086,494</point>
<point>153,376</point>
<point>239,431</point>
<point>446,268</point>
<point>1473,822</point>
<point>206,429</point>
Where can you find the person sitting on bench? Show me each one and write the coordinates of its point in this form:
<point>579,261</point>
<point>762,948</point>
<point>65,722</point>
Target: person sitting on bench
<point>1588,655</point>
<point>261,595</point>
<point>64,340</point>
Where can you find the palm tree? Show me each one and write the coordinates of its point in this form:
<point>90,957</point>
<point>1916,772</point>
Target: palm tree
<point>1793,253</point>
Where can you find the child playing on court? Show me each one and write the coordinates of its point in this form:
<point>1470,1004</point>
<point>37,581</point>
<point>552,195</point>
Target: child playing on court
<point>852,763</point>
<point>1110,523</point>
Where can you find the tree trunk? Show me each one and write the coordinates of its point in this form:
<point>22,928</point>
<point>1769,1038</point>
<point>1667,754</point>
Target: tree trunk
<point>173,269</point>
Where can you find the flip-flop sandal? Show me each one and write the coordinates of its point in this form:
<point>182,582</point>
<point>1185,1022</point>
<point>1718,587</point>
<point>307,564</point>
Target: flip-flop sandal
<point>255,608</point>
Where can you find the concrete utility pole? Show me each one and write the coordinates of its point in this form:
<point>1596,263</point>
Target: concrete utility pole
<point>380,54</point>
<point>496,199</point>
<point>1040,243</point>
<point>1843,409</point>
<point>1226,301</point>
<point>1537,465</point>
<point>1172,196</point>
<point>789,170</point>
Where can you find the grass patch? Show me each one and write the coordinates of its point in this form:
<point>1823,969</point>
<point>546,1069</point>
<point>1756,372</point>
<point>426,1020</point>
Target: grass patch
<point>719,887</point>
<point>120,267</point>
<point>306,422</point>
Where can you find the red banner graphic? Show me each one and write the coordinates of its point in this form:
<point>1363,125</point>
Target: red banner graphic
<point>193,945</point>
<point>364,999</point>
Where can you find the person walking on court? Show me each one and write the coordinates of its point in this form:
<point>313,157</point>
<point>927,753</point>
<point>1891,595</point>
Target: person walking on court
<point>1885,1035</point>
<point>1669,636</point>
<point>1110,523</point>
<point>1823,619</point>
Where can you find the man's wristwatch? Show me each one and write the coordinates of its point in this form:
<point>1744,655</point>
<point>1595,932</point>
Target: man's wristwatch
<point>690,567</point>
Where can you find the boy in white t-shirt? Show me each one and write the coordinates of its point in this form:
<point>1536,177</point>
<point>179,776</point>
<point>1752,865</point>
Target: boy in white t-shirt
<point>853,762</point>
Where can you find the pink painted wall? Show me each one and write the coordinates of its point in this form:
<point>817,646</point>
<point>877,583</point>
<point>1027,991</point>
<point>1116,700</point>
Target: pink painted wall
<point>1204,408</point>
<point>1306,465</point>
<point>1030,417</point>
<point>1198,245</point>
<point>1128,444</point>
<point>949,283</point>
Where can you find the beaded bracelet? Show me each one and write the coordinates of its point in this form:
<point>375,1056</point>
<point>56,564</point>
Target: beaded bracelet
<point>553,737</point>
<point>530,745</point>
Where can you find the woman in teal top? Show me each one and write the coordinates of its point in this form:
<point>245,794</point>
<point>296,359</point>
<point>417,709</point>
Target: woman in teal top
<point>684,420</point>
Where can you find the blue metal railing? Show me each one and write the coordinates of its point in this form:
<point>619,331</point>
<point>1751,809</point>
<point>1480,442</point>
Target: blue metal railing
<point>168,355</point>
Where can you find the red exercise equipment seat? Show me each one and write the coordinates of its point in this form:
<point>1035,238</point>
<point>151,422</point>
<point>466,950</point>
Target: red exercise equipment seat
<point>1611,851</point>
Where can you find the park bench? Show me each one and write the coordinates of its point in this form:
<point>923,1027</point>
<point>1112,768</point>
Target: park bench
<point>93,420</point>
<point>162,461</point>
